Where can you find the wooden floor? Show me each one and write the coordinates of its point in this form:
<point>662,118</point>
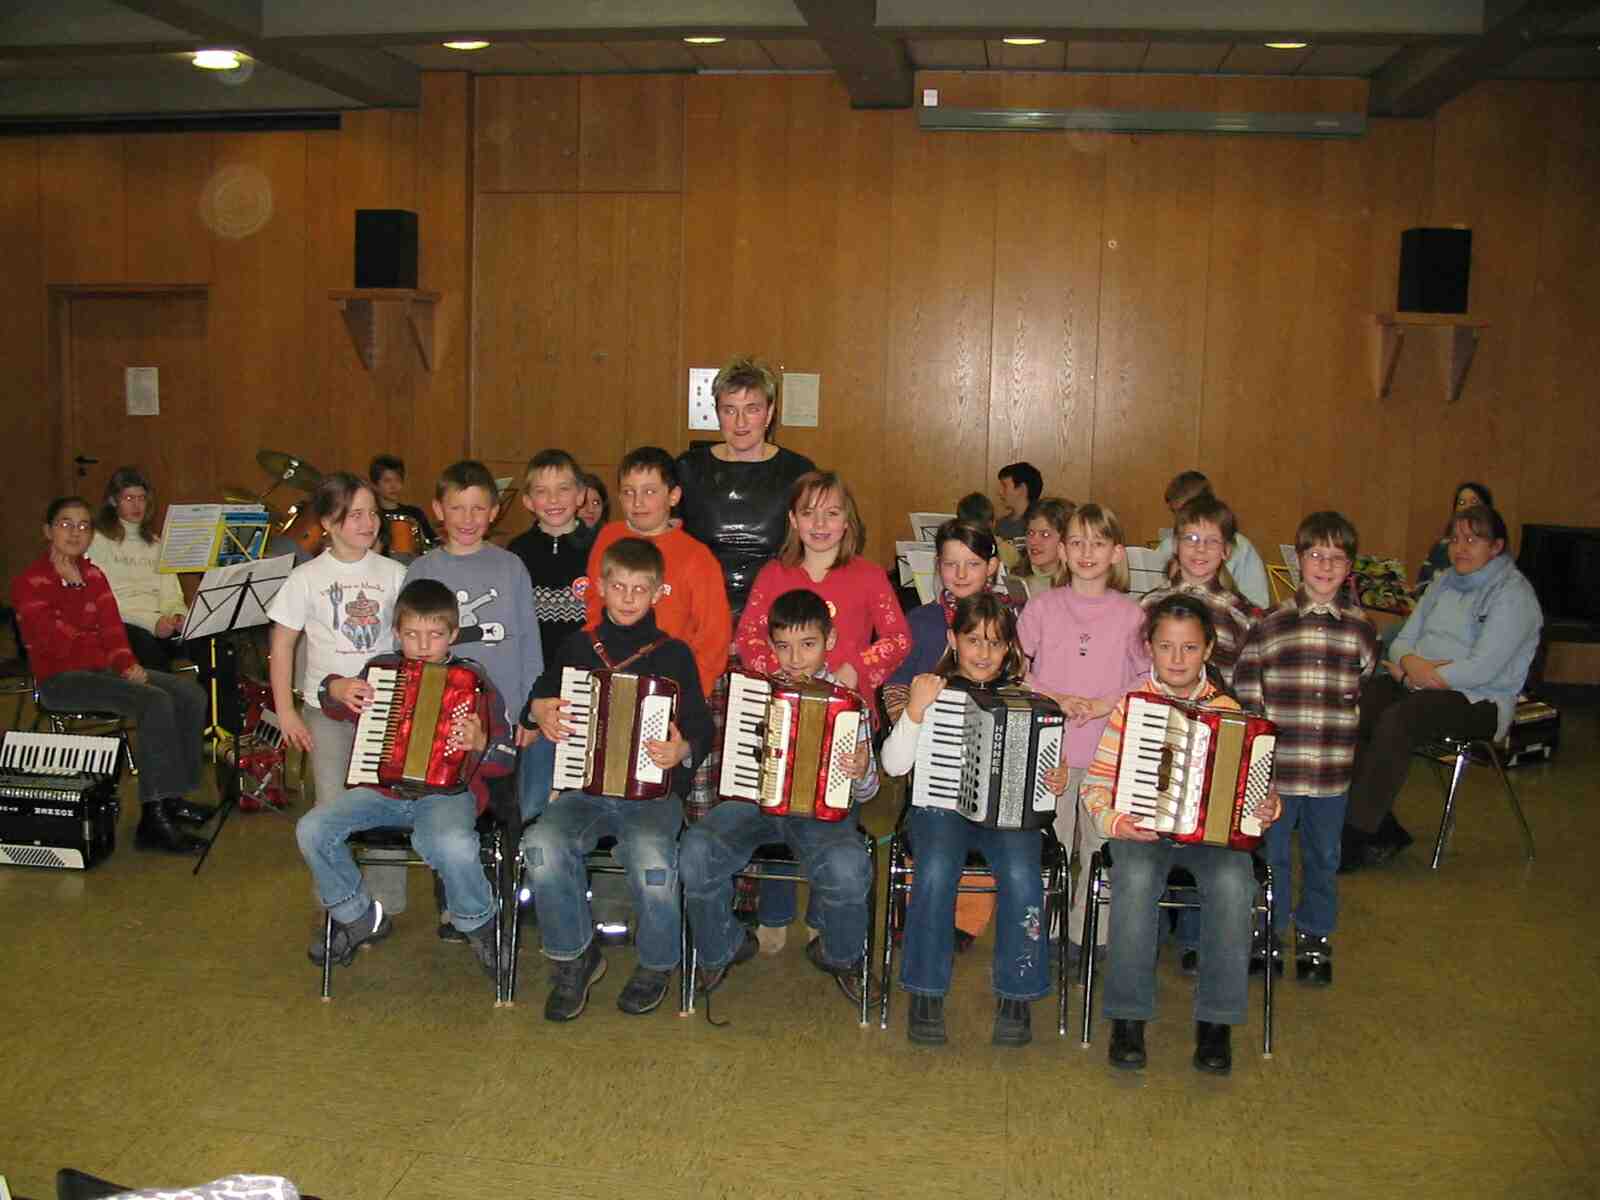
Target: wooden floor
<point>163,1029</point>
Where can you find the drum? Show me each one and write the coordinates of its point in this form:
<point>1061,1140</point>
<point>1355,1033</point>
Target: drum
<point>405,535</point>
<point>303,529</point>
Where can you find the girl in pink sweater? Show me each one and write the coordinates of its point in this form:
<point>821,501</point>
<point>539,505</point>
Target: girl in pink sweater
<point>1086,645</point>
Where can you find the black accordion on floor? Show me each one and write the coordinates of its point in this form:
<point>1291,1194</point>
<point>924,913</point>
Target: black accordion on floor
<point>58,799</point>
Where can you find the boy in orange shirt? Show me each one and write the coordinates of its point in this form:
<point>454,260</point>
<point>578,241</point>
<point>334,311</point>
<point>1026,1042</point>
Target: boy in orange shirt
<point>694,603</point>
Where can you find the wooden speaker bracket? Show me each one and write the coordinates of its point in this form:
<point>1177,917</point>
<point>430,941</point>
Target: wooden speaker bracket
<point>1390,339</point>
<point>362,307</point>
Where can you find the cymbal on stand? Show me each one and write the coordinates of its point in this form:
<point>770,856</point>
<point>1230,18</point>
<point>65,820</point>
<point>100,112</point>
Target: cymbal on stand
<point>287,468</point>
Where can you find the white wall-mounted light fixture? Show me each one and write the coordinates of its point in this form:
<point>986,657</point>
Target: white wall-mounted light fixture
<point>1024,41</point>
<point>217,60</point>
<point>706,39</point>
<point>465,45</point>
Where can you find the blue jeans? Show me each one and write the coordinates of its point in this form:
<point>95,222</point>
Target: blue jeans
<point>442,831</point>
<point>647,846</point>
<point>831,852</point>
<point>1227,894</point>
<point>1321,821</point>
<point>169,715</point>
<point>940,841</point>
<point>536,771</point>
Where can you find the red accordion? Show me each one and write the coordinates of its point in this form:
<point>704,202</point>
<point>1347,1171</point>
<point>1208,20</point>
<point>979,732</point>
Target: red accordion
<point>786,746</point>
<point>613,714</point>
<point>405,739</point>
<point>1195,774</point>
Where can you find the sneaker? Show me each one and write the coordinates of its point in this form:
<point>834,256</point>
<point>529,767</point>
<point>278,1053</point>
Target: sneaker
<point>371,926</point>
<point>925,1020</point>
<point>570,983</point>
<point>1313,958</point>
<point>449,933</point>
<point>709,979</point>
<point>772,938</point>
<point>848,978</point>
<point>483,945</point>
<point>1126,1051</point>
<point>644,991</point>
<point>1260,950</point>
<point>1189,963</point>
<point>1013,1023</point>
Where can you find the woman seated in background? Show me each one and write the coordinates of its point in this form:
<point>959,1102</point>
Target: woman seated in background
<point>79,652</point>
<point>1468,494</point>
<point>126,548</point>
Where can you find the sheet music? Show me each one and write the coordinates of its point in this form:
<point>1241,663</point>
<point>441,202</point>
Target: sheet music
<point>915,561</point>
<point>1147,570</point>
<point>190,538</point>
<point>1292,561</point>
<point>925,525</point>
<point>218,597</point>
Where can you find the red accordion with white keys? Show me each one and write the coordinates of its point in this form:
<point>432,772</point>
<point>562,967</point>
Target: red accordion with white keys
<point>1195,774</point>
<point>787,745</point>
<point>613,714</point>
<point>405,739</point>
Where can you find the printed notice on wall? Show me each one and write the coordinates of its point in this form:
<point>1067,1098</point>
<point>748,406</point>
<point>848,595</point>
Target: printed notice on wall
<point>143,387</point>
<point>801,396</point>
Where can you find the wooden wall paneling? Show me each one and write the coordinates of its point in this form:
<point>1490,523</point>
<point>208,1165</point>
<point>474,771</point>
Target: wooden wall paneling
<point>1490,160</point>
<point>526,133</point>
<point>1048,248</point>
<point>526,331</point>
<point>441,430</point>
<point>167,178</point>
<point>630,133</point>
<point>835,276</point>
<point>1156,236</point>
<point>734,208</point>
<point>586,413</point>
<point>28,420</point>
<point>941,314</point>
<point>653,393</point>
<point>85,218</point>
<point>1561,442</point>
<point>328,263</point>
<point>263,365</point>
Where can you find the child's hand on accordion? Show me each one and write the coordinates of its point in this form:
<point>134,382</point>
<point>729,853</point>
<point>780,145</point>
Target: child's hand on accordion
<point>1055,779</point>
<point>351,692</point>
<point>669,753</point>
<point>856,767</point>
<point>925,690</point>
<point>468,732</point>
<point>1123,826</point>
<point>550,714</point>
<point>1273,809</point>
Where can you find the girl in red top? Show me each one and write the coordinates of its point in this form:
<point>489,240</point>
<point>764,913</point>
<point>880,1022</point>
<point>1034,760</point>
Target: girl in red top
<point>80,657</point>
<point>819,555</point>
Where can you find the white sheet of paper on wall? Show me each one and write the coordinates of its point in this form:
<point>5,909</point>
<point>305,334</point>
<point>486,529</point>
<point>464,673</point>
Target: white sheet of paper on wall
<point>143,388</point>
<point>702,407</point>
<point>801,396</point>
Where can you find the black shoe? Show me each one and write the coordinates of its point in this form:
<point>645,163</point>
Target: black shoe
<point>157,832</point>
<point>1127,1045</point>
<point>449,933</point>
<point>371,926</point>
<point>709,979</point>
<point>1353,849</point>
<point>848,978</point>
<point>1392,833</point>
<point>1213,1050</point>
<point>1313,958</point>
<point>1189,963</point>
<point>925,1020</point>
<point>186,811</point>
<point>1259,952</point>
<point>644,991</point>
<point>1013,1023</point>
<point>570,983</point>
<point>484,948</point>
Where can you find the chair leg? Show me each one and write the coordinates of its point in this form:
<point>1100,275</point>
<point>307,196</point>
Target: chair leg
<point>1091,934</point>
<point>891,904</point>
<point>1266,976</point>
<point>866,938</point>
<point>327,956</point>
<point>690,960</point>
<point>1448,818</point>
<point>1056,901</point>
<point>512,934</point>
<point>1511,797</point>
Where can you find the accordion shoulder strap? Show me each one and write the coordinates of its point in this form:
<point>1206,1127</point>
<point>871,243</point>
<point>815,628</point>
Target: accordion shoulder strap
<point>632,658</point>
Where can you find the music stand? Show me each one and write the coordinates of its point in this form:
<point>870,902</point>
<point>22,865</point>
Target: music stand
<point>228,600</point>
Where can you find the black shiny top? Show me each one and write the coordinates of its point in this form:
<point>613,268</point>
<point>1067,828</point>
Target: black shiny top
<point>738,509</point>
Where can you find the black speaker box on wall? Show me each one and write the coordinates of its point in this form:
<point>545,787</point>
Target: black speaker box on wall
<point>386,248</point>
<point>1435,265</point>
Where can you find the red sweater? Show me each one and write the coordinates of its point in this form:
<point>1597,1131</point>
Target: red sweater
<point>69,628</point>
<point>694,603</point>
<point>873,635</point>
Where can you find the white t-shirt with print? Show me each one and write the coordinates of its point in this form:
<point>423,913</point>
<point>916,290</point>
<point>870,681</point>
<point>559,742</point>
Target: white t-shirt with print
<point>346,611</point>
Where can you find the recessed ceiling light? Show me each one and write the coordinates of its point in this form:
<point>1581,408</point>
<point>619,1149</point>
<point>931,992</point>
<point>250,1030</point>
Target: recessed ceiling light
<point>1286,45</point>
<point>465,45</point>
<point>705,40</point>
<point>216,60</point>
<point>1023,41</point>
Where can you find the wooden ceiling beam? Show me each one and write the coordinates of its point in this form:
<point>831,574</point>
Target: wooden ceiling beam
<point>875,68</point>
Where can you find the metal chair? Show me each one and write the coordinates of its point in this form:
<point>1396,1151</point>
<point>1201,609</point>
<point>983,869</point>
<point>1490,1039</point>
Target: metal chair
<point>64,720</point>
<point>1463,751</point>
<point>902,877</point>
<point>492,851</point>
<point>776,861</point>
<point>1176,897</point>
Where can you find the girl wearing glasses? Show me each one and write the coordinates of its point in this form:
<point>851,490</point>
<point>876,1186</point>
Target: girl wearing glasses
<point>1203,537</point>
<point>79,651</point>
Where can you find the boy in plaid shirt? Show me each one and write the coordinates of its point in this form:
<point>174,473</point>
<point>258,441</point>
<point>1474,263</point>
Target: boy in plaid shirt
<point>1303,665</point>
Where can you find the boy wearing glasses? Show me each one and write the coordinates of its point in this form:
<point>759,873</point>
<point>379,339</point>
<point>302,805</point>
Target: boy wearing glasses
<point>1303,666</point>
